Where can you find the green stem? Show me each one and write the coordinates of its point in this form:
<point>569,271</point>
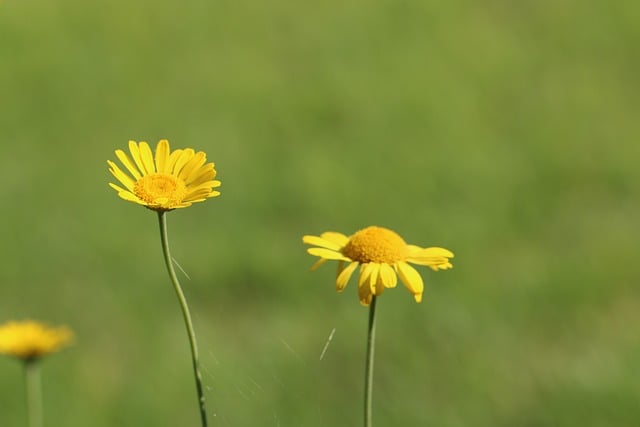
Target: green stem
<point>185,314</point>
<point>34,392</point>
<point>368,370</point>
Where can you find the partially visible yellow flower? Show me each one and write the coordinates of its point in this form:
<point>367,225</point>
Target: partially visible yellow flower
<point>381,254</point>
<point>30,340</point>
<point>170,180</point>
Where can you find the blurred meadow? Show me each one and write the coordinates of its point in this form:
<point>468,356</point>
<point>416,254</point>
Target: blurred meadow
<point>508,132</point>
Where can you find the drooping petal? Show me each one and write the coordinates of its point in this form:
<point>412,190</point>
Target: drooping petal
<point>378,287</point>
<point>411,279</point>
<point>445,265</point>
<point>318,263</point>
<point>388,276</point>
<point>344,276</point>
<point>364,294</point>
<point>374,276</point>
<point>341,265</point>
<point>365,275</point>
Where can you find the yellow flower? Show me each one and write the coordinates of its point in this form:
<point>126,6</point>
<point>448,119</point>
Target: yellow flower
<point>30,340</point>
<point>173,180</point>
<point>381,254</point>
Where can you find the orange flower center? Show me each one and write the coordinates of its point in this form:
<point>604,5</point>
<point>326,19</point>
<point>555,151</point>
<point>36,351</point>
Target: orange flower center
<point>161,190</point>
<point>375,244</point>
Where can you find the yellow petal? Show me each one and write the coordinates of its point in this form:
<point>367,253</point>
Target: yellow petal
<point>192,168</point>
<point>388,276</point>
<point>126,161</point>
<point>373,279</point>
<point>130,197</point>
<point>186,155</point>
<point>344,276</point>
<point>319,241</point>
<point>369,275</point>
<point>431,257</point>
<point>410,277</point>
<point>200,174</point>
<point>364,294</point>
<point>171,162</point>
<point>162,155</point>
<point>327,253</point>
<point>441,266</point>
<point>318,263</point>
<point>135,154</point>
<point>121,176</point>
<point>335,237</point>
<point>116,187</point>
<point>147,158</point>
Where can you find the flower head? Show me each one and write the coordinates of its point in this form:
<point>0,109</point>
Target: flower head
<point>30,340</point>
<point>170,180</point>
<point>382,256</point>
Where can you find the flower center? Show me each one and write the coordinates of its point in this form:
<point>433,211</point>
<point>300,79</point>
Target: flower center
<point>161,190</point>
<point>375,244</point>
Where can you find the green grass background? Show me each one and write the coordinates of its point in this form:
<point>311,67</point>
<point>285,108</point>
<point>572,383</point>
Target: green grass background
<point>505,131</point>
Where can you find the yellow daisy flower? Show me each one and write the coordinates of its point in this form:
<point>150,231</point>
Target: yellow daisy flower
<point>172,180</point>
<point>30,340</point>
<point>381,254</point>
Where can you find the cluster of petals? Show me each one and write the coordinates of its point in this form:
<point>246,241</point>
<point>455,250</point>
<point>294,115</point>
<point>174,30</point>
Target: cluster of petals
<point>29,340</point>
<point>165,181</point>
<point>382,256</point>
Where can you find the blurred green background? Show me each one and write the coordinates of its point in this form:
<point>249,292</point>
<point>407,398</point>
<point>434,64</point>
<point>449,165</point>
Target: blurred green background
<point>506,131</point>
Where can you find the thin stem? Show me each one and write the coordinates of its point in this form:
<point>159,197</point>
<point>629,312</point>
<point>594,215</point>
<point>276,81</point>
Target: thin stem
<point>368,370</point>
<point>185,314</point>
<point>34,392</point>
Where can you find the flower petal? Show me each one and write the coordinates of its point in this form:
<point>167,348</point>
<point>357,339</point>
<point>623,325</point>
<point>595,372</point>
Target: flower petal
<point>388,276</point>
<point>344,276</point>
<point>186,155</point>
<point>171,162</point>
<point>327,253</point>
<point>335,237</point>
<point>411,279</point>
<point>126,161</point>
<point>121,176</point>
<point>127,195</point>
<point>147,158</point>
<point>162,155</point>
<point>192,167</point>
<point>135,154</point>
<point>318,263</point>
<point>364,293</point>
<point>321,242</point>
<point>374,276</point>
<point>436,258</point>
<point>204,174</point>
<point>365,275</point>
